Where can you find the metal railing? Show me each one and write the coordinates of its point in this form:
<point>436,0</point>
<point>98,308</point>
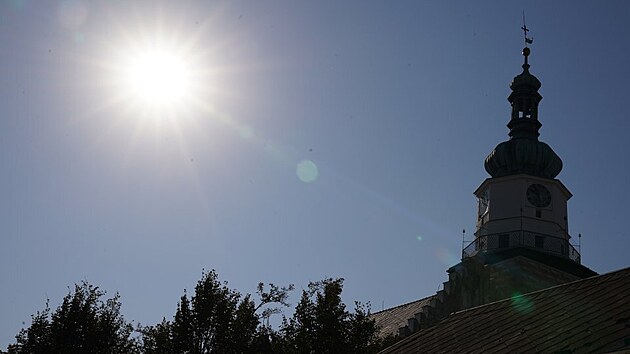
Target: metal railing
<point>540,242</point>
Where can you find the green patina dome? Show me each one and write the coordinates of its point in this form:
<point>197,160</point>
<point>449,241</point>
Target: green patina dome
<point>523,156</point>
<point>523,153</point>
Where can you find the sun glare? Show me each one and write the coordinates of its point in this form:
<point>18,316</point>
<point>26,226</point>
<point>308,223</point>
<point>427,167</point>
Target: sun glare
<point>158,78</point>
<point>159,75</point>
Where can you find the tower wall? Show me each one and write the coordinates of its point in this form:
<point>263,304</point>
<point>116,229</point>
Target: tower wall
<point>507,208</point>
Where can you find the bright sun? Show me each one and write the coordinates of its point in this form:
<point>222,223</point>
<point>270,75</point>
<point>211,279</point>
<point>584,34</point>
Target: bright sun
<point>154,76</point>
<point>158,78</point>
<point>160,75</point>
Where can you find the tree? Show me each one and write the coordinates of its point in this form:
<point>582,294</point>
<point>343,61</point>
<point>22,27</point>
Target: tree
<point>321,323</point>
<point>158,339</point>
<point>83,323</point>
<point>216,319</point>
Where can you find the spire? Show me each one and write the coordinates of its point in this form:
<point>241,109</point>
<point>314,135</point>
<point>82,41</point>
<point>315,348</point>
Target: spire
<point>523,153</point>
<point>524,100</point>
<point>525,97</point>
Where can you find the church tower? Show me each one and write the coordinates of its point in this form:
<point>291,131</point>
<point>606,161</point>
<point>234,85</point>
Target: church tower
<point>522,242</point>
<point>523,205</point>
<point>522,254</point>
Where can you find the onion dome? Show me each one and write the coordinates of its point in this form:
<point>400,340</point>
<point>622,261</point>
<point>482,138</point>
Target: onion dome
<point>523,153</point>
<point>523,156</point>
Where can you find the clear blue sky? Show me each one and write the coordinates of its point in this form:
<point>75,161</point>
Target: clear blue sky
<point>396,103</point>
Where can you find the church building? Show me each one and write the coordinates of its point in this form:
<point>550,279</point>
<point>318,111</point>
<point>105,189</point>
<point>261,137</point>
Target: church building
<point>520,286</point>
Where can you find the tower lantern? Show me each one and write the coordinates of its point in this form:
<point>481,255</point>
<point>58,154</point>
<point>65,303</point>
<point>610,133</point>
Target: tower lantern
<point>524,100</point>
<point>523,153</point>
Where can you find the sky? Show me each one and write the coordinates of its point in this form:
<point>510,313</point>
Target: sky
<point>312,140</point>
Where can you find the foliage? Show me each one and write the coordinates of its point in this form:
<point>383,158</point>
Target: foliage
<point>321,323</point>
<point>217,319</point>
<point>83,323</point>
<point>157,339</point>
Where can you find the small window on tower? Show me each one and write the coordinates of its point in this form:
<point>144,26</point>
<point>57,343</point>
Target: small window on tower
<point>539,242</point>
<point>538,213</point>
<point>504,241</point>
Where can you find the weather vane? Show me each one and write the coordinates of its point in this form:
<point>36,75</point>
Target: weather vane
<point>525,30</point>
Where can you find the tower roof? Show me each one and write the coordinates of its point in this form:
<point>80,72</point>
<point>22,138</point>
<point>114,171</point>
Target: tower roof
<point>525,81</point>
<point>523,153</point>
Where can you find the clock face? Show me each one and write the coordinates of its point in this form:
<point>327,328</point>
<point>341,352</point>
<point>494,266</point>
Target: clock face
<point>538,195</point>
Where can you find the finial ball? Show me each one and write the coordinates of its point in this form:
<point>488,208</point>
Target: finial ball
<point>526,51</point>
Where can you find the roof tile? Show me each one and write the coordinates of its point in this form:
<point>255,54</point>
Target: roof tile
<point>589,315</point>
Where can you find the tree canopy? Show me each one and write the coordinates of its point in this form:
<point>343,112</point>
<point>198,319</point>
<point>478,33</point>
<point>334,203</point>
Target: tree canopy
<point>83,323</point>
<point>321,323</point>
<point>213,319</point>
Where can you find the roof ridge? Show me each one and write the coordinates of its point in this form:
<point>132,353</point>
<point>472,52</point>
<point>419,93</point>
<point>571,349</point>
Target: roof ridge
<point>402,305</point>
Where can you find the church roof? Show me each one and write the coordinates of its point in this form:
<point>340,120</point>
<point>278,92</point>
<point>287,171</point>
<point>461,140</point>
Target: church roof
<point>586,316</point>
<point>389,320</point>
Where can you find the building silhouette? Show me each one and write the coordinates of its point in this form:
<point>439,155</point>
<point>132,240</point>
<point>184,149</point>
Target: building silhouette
<point>520,286</point>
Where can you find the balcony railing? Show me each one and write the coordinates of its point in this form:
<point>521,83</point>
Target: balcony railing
<point>544,243</point>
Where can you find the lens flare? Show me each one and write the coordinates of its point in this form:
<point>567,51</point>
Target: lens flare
<point>307,171</point>
<point>522,304</point>
<point>446,257</point>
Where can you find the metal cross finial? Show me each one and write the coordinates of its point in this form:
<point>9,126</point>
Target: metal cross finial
<point>525,30</point>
